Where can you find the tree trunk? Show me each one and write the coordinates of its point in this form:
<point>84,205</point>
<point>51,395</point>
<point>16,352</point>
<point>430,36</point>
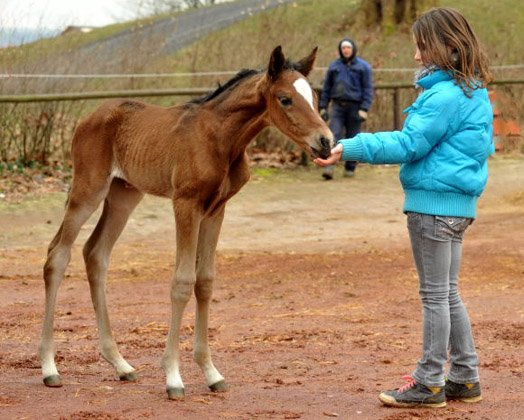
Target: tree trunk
<point>389,19</point>
<point>389,14</point>
<point>372,11</point>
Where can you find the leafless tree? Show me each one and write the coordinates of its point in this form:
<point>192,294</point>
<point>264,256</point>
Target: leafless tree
<point>391,13</point>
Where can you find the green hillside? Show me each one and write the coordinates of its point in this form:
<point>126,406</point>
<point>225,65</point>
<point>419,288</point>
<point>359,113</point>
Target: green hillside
<point>303,25</point>
<point>298,27</point>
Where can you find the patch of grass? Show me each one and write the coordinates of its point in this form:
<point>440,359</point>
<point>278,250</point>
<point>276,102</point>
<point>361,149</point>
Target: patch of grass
<point>498,25</point>
<point>151,216</point>
<point>298,27</point>
<point>517,198</point>
<point>248,43</point>
<point>29,202</point>
<point>265,173</point>
<point>301,26</point>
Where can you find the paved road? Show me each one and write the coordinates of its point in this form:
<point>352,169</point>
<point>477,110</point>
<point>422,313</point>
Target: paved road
<point>171,34</point>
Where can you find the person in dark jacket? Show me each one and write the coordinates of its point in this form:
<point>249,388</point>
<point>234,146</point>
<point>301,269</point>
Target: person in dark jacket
<point>349,86</point>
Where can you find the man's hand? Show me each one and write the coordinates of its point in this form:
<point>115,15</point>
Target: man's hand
<point>336,154</point>
<point>363,114</point>
<point>324,114</point>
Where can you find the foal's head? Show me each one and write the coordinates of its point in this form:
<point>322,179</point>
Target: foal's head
<point>292,104</point>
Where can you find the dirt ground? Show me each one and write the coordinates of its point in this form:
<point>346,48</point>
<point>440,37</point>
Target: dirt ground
<point>315,310</point>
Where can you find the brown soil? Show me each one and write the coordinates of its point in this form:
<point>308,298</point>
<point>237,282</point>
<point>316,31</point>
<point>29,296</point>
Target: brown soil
<point>315,310</point>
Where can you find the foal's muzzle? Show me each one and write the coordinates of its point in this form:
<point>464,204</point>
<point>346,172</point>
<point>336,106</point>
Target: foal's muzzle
<point>323,149</point>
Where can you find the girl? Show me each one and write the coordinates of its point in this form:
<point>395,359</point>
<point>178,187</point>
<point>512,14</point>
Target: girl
<point>443,148</point>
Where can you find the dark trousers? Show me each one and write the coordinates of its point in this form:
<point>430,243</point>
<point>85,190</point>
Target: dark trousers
<point>345,123</point>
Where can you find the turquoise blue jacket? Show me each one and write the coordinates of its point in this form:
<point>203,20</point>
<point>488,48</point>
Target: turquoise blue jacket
<point>443,148</point>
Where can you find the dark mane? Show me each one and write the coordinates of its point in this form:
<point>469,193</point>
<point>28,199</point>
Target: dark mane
<point>242,74</point>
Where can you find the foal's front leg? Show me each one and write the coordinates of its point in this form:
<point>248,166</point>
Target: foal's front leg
<point>205,274</point>
<point>187,216</point>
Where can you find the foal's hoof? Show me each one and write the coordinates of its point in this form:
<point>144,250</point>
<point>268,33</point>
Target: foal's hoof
<point>175,393</point>
<point>129,377</point>
<point>219,386</point>
<point>53,381</point>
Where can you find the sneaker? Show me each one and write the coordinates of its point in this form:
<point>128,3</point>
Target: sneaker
<point>328,173</point>
<point>414,394</point>
<point>349,174</point>
<point>469,393</point>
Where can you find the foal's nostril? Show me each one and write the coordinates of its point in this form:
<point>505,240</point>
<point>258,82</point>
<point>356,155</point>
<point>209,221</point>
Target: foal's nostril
<point>325,143</point>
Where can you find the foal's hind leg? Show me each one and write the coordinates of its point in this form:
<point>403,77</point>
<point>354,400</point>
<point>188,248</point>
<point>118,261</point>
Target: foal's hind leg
<point>205,274</point>
<point>119,204</point>
<point>83,200</point>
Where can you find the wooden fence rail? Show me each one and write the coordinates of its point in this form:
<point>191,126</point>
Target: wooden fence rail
<point>76,96</point>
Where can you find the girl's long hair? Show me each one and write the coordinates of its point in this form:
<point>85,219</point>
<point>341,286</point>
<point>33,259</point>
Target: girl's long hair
<point>445,38</point>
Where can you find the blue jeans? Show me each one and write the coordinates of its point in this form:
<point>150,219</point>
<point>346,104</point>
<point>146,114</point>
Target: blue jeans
<point>437,248</point>
<point>345,123</point>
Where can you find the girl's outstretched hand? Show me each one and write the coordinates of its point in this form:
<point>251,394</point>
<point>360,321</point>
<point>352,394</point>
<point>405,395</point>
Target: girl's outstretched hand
<point>336,154</point>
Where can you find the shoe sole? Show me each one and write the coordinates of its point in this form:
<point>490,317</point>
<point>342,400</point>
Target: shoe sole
<point>392,402</point>
<point>466,400</point>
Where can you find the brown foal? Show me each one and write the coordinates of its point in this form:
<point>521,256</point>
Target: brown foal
<point>193,154</point>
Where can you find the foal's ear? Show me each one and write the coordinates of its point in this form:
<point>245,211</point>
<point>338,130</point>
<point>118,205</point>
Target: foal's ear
<point>276,63</point>
<point>307,63</point>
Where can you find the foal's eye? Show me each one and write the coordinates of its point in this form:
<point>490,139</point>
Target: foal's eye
<point>285,101</point>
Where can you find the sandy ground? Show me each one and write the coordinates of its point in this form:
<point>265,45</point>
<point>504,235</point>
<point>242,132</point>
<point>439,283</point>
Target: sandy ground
<point>315,310</point>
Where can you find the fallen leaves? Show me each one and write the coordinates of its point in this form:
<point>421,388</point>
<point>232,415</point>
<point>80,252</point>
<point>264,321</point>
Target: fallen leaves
<point>16,185</point>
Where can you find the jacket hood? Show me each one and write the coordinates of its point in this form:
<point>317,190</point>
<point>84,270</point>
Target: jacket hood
<point>355,50</point>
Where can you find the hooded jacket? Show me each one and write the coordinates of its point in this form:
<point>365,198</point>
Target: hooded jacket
<point>443,148</point>
<point>348,80</point>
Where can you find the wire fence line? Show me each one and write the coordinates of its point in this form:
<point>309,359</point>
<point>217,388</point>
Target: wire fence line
<point>395,88</point>
<point>74,96</point>
<point>193,74</point>
<point>38,127</point>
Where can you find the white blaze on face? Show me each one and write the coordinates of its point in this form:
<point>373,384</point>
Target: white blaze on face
<point>302,87</point>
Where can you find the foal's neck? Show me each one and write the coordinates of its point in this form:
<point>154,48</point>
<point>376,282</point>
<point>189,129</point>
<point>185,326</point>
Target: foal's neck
<point>242,114</point>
